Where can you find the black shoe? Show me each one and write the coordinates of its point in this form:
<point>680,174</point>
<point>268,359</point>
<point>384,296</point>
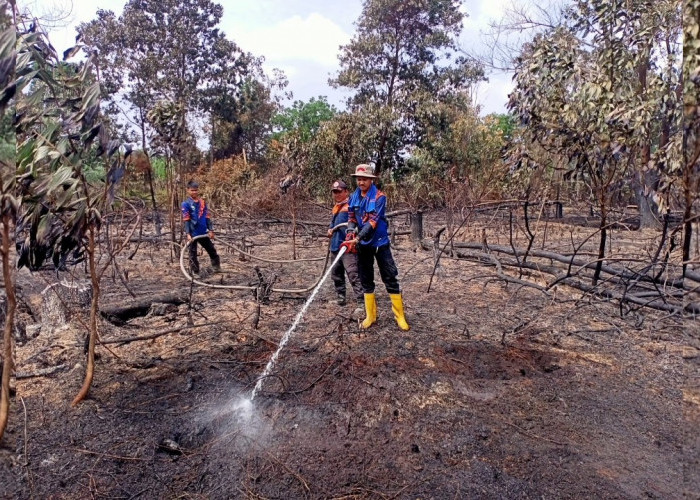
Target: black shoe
<point>216,268</point>
<point>340,300</point>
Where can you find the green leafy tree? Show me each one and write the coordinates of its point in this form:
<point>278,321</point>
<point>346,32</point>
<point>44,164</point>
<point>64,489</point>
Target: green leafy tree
<point>338,144</point>
<point>167,51</point>
<point>304,118</point>
<point>261,98</point>
<point>580,95</point>
<point>168,54</point>
<point>402,54</point>
<point>458,163</point>
<point>461,162</point>
<point>128,76</point>
<point>305,143</point>
<point>505,123</point>
<point>240,104</point>
<point>244,125</point>
<point>46,196</point>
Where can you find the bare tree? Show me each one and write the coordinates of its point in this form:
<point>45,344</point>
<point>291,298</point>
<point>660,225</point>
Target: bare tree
<point>502,43</point>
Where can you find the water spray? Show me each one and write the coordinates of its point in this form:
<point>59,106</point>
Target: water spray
<point>288,334</point>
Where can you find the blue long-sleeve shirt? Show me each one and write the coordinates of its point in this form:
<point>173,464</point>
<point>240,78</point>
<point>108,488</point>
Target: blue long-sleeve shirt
<point>340,215</point>
<point>370,209</point>
<point>195,215</point>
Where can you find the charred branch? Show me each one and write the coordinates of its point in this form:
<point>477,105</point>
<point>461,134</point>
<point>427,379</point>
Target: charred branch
<point>120,314</point>
<point>623,284</point>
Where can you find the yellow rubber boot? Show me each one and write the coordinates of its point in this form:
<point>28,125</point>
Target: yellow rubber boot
<point>397,307</point>
<point>370,310</point>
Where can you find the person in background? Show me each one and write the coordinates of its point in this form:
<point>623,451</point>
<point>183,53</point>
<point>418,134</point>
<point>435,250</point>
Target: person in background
<point>367,231</point>
<point>197,222</point>
<point>348,262</point>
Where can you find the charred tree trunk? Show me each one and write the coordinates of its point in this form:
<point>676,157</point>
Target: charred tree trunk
<point>171,209</point>
<point>603,236</point>
<point>294,229</point>
<point>644,191</point>
<point>120,314</point>
<point>691,184</point>
<point>417,227</point>
<point>646,181</point>
<point>687,219</point>
<point>156,215</point>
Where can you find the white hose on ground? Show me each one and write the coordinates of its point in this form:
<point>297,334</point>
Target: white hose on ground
<point>250,287</point>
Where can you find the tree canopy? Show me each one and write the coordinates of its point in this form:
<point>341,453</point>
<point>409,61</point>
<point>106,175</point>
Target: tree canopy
<point>402,55</point>
<point>601,92</point>
<point>304,118</point>
<point>168,52</point>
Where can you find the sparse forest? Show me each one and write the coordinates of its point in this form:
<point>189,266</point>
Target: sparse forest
<point>549,259</point>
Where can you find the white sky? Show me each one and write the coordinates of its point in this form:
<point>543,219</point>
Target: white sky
<point>300,37</point>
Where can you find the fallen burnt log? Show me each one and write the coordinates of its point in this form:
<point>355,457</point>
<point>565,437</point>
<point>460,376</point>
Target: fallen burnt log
<point>623,284</point>
<point>121,313</point>
<point>40,373</point>
<point>574,262</point>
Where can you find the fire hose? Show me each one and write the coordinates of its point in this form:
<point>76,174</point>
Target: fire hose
<point>243,252</point>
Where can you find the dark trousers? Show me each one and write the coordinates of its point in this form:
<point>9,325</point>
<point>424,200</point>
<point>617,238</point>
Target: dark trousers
<point>366,255</point>
<point>346,264</point>
<point>207,245</point>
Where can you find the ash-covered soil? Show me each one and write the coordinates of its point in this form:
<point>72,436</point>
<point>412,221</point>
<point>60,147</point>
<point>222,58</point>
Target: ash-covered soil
<point>497,391</point>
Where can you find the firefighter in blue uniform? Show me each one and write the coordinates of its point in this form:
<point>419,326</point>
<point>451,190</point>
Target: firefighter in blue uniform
<point>367,231</point>
<point>197,222</point>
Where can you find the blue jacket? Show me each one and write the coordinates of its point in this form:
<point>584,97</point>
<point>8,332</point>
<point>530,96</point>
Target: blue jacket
<point>340,215</point>
<point>195,215</point>
<point>370,209</point>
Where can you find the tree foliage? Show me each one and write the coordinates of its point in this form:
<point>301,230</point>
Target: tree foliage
<point>46,196</point>
<point>339,144</point>
<point>461,162</point>
<point>59,130</point>
<point>303,118</point>
<point>602,88</point>
<point>402,54</point>
<point>601,93</point>
<point>260,100</point>
<point>167,51</point>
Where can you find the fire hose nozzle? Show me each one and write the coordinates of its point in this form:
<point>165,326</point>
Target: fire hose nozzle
<point>349,246</point>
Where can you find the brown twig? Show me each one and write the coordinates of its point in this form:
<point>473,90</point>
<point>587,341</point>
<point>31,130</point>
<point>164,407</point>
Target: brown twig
<point>299,391</point>
<point>156,335</point>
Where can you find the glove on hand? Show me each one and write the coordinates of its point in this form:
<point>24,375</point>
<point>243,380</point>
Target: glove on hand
<point>349,245</point>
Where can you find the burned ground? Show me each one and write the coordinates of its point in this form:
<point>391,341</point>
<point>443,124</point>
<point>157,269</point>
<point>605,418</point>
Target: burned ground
<point>497,391</point>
